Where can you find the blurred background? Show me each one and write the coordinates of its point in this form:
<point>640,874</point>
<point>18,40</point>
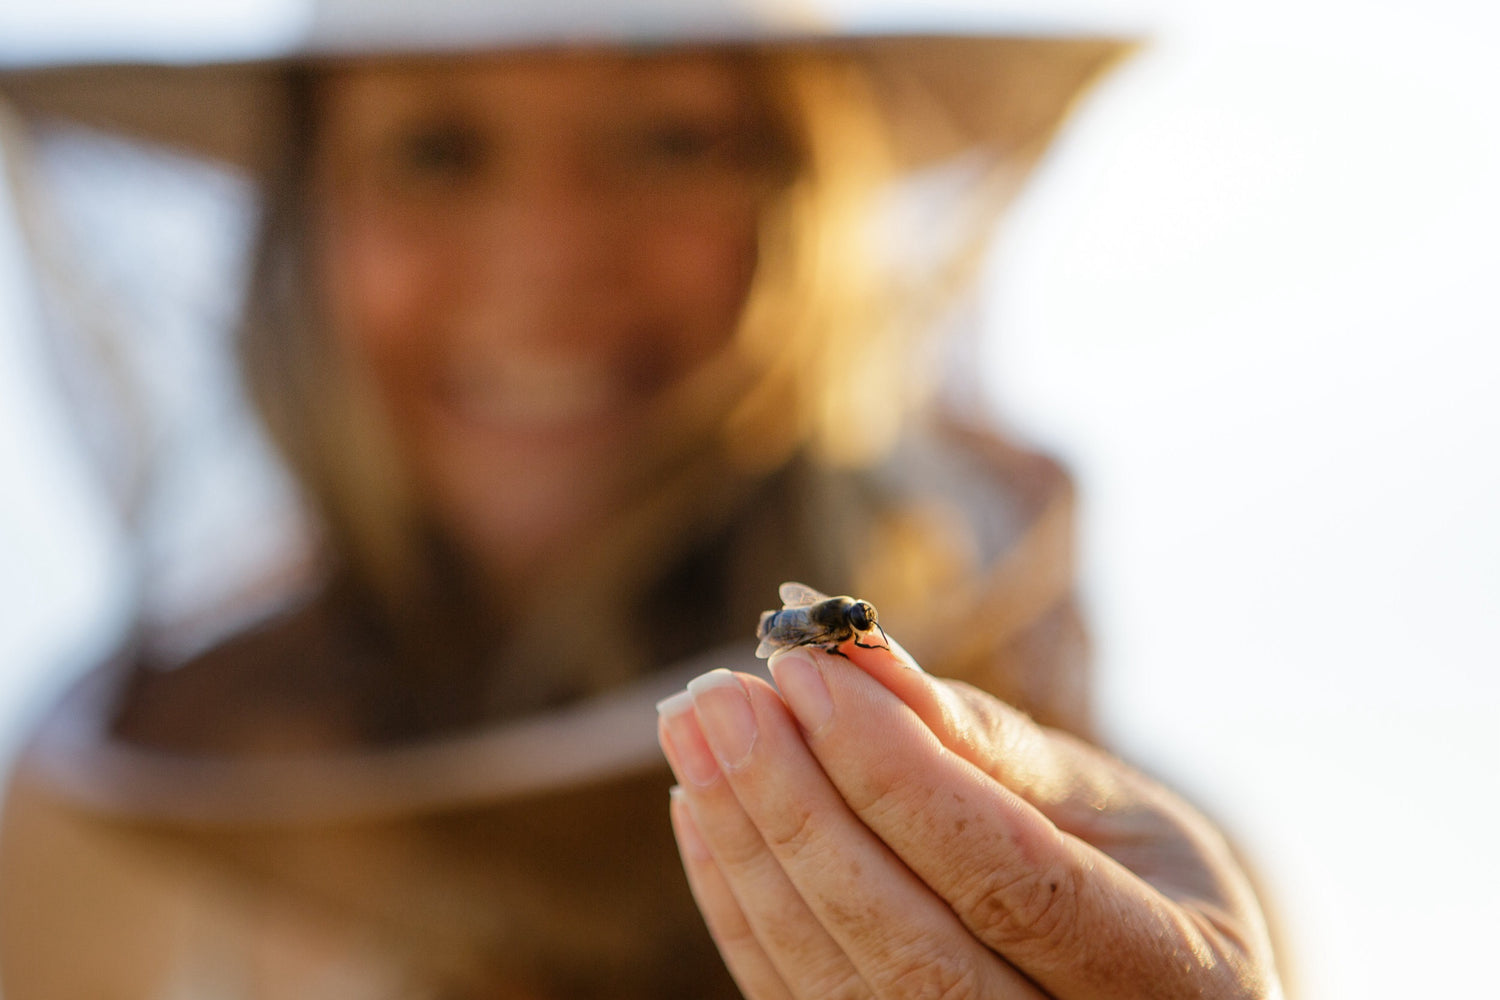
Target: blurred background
<point>1251,300</point>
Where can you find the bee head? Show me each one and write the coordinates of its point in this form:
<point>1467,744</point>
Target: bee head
<point>862,615</point>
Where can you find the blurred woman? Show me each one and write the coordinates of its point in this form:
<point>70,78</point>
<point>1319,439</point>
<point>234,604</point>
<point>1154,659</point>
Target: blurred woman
<point>580,332</point>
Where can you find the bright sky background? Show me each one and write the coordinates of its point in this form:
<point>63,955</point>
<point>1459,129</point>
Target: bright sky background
<point>1252,300</point>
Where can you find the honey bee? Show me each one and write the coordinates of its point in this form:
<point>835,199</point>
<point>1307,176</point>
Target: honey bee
<point>808,618</point>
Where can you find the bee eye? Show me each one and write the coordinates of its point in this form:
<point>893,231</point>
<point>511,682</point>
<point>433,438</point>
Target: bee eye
<point>862,616</point>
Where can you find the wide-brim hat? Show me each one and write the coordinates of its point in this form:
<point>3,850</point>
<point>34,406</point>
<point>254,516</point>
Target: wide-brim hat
<point>999,81</point>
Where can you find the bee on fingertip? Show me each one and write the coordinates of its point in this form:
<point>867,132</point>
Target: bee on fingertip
<point>810,618</point>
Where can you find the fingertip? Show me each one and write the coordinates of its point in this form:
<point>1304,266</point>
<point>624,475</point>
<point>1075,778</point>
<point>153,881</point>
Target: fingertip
<point>891,656</point>
<point>902,657</point>
<point>899,673</point>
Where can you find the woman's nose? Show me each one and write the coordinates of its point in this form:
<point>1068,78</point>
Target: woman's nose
<point>547,222</point>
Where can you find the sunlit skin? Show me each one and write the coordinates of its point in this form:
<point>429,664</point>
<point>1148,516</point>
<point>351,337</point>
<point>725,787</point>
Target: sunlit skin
<point>864,829</point>
<point>526,255</point>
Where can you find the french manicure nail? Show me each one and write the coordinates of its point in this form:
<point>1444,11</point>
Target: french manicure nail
<point>724,713</point>
<point>801,683</point>
<point>678,703</point>
<point>690,754</point>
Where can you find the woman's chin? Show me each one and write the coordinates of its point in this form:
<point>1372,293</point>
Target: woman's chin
<point>530,499</point>
<point>526,486</point>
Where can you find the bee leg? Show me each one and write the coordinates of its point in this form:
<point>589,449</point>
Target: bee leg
<point>865,645</point>
<point>833,648</point>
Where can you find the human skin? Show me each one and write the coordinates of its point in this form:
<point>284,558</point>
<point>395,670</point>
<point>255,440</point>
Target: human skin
<point>863,829</point>
<point>523,256</point>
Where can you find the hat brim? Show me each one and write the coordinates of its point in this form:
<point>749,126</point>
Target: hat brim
<point>941,94</point>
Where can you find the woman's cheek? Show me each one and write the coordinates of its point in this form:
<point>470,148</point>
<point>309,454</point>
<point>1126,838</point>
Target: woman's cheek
<point>382,287</point>
<point>706,272</point>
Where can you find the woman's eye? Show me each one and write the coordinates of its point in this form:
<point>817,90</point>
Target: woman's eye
<point>438,154</point>
<point>676,144</point>
<point>685,142</point>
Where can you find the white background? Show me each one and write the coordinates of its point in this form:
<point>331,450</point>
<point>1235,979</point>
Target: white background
<point>1253,301</point>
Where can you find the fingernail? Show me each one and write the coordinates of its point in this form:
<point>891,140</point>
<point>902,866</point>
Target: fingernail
<point>688,751</point>
<point>674,705</point>
<point>802,687</point>
<point>689,837</point>
<point>724,713</point>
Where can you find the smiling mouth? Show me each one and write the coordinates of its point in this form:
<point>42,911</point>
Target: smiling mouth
<point>534,396</point>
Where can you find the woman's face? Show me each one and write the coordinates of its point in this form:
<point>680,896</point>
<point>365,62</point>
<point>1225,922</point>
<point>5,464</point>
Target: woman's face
<point>525,256</point>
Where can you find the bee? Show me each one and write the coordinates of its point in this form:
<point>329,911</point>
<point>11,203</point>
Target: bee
<point>808,618</point>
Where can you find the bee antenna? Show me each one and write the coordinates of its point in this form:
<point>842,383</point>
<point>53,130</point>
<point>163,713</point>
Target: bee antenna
<point>887,639</point>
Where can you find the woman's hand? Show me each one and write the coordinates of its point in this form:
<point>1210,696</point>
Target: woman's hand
<point>871,831</point>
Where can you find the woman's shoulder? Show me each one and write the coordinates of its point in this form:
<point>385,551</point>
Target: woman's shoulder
<point>279,684</point>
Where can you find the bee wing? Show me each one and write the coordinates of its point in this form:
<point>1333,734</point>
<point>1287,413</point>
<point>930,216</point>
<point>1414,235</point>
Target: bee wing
<point>766,648</point>
<point>765,616</point>
<point>799,595</point>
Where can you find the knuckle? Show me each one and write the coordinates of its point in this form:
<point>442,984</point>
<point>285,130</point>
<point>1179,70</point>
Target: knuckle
<point>887,794</point>
<point>1038,911</point>
<point>739,852</point>
<point>796,834</point>
<point>754,852</point>
<point>935,976</point>
<point>821,970</point>
<point>734,934</point>
<point>843,985</point>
